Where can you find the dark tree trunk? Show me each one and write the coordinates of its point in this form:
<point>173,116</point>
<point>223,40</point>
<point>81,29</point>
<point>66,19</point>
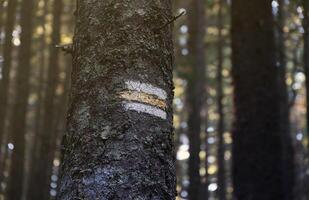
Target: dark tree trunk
<point>48,131</point>
<point>1,20</point>
<point>287,147</point>
<point>257,147</point>
<point>306,55</point>
<point>195,91</point>
<point>32,188</point>
<point>18,120</point>
<point>220,126</point>
<point>205,191</point>
<point>118,143</point>
<point>7,56</point>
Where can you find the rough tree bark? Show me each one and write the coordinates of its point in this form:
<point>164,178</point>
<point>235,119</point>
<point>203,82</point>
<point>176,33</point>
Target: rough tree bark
<point>195,91</point>
<point>18,120</point>
<point>257,147</point>
<point>118,143</point>
<point>287,147</point>
<point>220,127</point>
<point>48,131</point>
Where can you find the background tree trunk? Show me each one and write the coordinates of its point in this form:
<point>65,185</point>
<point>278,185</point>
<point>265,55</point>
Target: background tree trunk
<point>48,132</point>
<point>220,95</point>
<point>117,148</point>
<point>7,56</point>
<point>1,19</point>
<point>287,147</point>
<point>257,147</point>
<point>195,91</point>
<point>32,186</point>
<point>18,120</point>
<point>306,53</point>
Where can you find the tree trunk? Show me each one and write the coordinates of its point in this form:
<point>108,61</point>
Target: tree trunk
<point>195,91</point>
<point>257,147</point>
<point>1,19</point>
<point>18,120</point>
<point>118,143</point>
<point>287,147</point>
<point>32,188</point>
<point>220,127</point>
<point>306,53</point>
<point>48,131</point>
<point>7,56</point>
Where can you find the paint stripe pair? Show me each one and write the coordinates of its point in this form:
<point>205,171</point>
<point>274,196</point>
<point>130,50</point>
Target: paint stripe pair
<point>144,98</point>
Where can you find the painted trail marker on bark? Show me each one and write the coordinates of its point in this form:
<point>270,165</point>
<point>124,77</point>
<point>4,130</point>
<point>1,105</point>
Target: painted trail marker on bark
<point>144,97</point>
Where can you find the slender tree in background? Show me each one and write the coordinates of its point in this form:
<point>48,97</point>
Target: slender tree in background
<point>306,53</point>
<point>7,56</point>
<point>220,126</point>
<point>205,191</point>
<point>195,90</point>
<point>5,77</point>
<point>48,132</point>
<point>1,19</point>
<point>119,131</point>
<point>257,147</point>
<point>32,185</point>
<point>287,147</point>
<point>18,121</point>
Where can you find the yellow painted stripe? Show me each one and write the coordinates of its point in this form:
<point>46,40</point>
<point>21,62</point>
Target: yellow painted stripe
<point>142,98</point>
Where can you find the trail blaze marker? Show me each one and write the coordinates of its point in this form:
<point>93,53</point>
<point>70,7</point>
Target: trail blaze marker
<point>144,97</point>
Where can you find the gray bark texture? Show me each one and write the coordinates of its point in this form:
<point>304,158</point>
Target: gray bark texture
<point>110,152</point>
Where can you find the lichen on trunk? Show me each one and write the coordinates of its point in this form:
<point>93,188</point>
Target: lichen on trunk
<point>118,147</point>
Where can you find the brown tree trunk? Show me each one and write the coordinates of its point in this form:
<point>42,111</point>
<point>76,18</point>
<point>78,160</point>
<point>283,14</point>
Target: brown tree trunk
<point>118,143</point>
<point>306,54</point>
<point>195,91</point>
<point>7,56</point>
<point>18,120</point>
<point>32,188</point>
<point>1,20</point>
<point>287,147</point>
<point>257,146</point>
<point>220,127</point>
<point>48,131</point>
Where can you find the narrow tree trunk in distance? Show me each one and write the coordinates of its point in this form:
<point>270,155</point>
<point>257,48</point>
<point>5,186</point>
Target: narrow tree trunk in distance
<point>287,147</point>
<point>306,69</point>
<point>32,188</point>
<point>205,191</point>
<point>18,120</point>
<point>48,131</point>
<point>1,22</point>
<point>257,147</point>
<point>306,55</point>
<point>5,78</point>
<point>119,131</point>
<point>7,56</point>
<point>195,91</point>
<point>220,128</point>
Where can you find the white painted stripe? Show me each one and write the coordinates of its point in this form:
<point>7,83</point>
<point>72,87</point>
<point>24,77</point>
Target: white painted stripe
<point>146,88</point>
<point>139,107</point>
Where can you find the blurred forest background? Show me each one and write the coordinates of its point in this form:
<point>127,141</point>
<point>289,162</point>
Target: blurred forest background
<point>35,79</point>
